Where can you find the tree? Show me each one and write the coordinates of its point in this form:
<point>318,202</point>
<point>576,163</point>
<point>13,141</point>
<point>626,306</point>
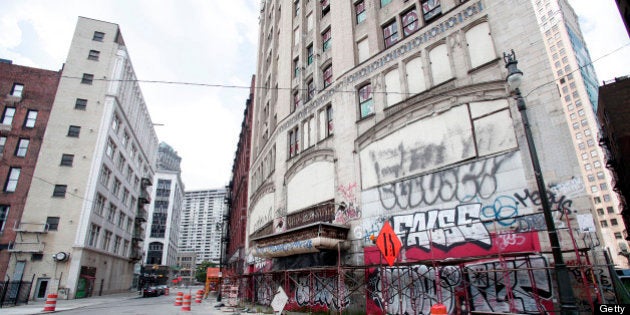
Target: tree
<point>200,273</point>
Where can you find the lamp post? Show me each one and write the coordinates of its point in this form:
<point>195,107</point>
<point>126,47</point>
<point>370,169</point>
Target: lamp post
<point>567,299</point>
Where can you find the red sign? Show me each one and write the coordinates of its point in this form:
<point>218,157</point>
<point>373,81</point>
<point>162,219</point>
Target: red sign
<point>388,243</point>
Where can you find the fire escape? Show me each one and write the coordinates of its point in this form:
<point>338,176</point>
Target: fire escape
<point>141,218</point>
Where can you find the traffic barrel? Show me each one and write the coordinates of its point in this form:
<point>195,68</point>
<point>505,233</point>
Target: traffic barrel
<point>438,309</point>
<point>51,302</point>
<point>186,305</point>
<point>198,296</point>
<point>166,291</point>
<point>178,299</point>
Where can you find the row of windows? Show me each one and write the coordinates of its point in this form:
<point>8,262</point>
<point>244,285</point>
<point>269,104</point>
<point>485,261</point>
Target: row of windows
<point>9,113</point>
<point>108,242</point>
<point>52,223</point>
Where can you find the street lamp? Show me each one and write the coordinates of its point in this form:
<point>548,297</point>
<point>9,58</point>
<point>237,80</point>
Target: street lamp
<point>567,299</point>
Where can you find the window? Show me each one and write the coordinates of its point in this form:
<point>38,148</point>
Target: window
<point>430,9</point>
<point>366,104</point>
<point>110,150</point>
<point>600,211</point>
<point>4,214</point>
<point>415,76</point>
<point>87,78</point>
<point>17,89</point>
<point>410,22</point>
<point>3,142</point>
<point>308,132</point>
<point>603,186</point>
<point>99,204</point>
<point>613,222</point>
<point>7,115</point>
<point>392,87</point>
<point>610,210</point>
<point>309,54</point>
<point>52,223</point>
<point>363,50</point>
<point>480,45</point>
<point>117,241</point>
<point>297,7</point>
<point>606,198</point>
<point>31,117</point>
<point>125,196</point>
<point>12,179</point>
<point>80,104</point>
<point>390,33</point>
<point>93,54</point>
<point>116,187</point>
<point>600,175</point>
<point>327,76</point>
<point>74,131</point>
<point>597,200</point>
<point>591,178</point>
<point>603,223</point>
<point>98,36</point>
<point>294,142</point>
<point>106,240</point>
<point>325,7</point>
<point>60,190</point>
<point>326,40</point>
<point>311,90</point>
<point>359,9</point>
<point>111,212</point>
<point>618,235</point>
<point>125,248</point>
<point>121,220</point>
<point>116,124</point>
<point>296,67</point>
<point>440,64</point>
<point>325,122</point>
<point>385,2</point>
<point>309,22</point>
<point>22,147</point>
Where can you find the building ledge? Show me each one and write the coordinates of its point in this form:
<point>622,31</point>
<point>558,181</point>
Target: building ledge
<point>310,238</point>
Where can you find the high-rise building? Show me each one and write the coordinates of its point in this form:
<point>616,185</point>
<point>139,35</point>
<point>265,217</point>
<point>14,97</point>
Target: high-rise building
<point>27,96</point>
<point>575,78</point>
<point>202,224</point>
<point>162,229</point>
<point>96,162</point>
<point>391,162</point>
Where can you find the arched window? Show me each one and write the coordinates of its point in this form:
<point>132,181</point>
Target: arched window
<point>480,45</point>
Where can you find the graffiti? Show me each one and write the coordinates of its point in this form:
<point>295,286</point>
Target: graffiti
<point>351,211</point>
<point>479,287</point>
<point>558,202</point>
<point>325,292</point>
<point>592,283</point>
<point>507,240</point>
<point>442,228</point>
<point>265,293</point>
<point>462,184</point>
<point>569,188</point>
<point>491,283</point>
<point>297,246</point>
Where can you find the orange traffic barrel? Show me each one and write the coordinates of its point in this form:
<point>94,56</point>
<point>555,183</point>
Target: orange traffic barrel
<point>51,302</point>
<point>178,299</point>
<point>198,296</point>
<point>438,309</point>
<point>186,305</point>
<point>166,291</point>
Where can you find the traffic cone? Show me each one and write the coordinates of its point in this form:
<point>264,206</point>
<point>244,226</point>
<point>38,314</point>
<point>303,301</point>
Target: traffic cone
<point>51,302</point>
<point>198,296</point>
<point>178,299</point>
<point>438,309</point>
<point>186,305</point>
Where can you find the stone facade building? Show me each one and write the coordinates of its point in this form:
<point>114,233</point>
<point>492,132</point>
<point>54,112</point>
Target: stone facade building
<point>388,153</point>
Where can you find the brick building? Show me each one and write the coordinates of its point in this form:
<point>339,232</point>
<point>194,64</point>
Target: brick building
<point>27,97</point>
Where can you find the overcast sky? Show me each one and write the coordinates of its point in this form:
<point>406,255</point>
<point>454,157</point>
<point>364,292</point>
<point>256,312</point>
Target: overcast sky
<point>211,42</point>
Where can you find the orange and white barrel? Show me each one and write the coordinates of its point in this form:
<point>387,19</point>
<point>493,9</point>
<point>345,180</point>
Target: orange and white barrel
<point>178,299</point>
<point>186,305</point>
<point>51,302</point>
<point>198,296</point>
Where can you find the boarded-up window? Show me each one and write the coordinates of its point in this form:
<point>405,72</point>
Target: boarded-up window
<point>480,45</point>
<point>415,76</point>
<point>392,87</point>
<point>364,52</point>
<point>440,64</point>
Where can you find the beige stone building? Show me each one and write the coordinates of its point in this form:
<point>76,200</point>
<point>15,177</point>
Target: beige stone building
<point>377,113</point>
<point>95,165</point>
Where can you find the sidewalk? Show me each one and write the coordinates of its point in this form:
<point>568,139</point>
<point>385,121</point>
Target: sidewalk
<point>36,307</point>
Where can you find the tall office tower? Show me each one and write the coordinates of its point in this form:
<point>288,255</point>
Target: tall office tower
<point>27,96</point>
<point>162,229</point>
<point>576,80</point>
<point>389,155</point>
<point>96,162</point>
<point>202,224</point>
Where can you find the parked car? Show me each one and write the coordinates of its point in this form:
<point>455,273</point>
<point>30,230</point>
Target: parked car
<point>149,291</point>
<point>162,289</point>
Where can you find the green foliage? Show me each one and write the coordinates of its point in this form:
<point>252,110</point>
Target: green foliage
<point>200,273</point>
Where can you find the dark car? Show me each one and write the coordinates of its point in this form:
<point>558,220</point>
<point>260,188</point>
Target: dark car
<point>150,291</point>
<point>162,289</point>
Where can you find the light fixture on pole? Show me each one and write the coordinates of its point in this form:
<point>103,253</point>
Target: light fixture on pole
<point>565,291</point>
